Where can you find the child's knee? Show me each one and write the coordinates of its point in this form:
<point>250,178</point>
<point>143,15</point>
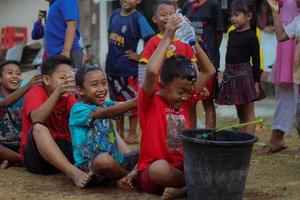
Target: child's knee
<point>38,128</point>
<point>104,162</point>
<point>160,169</point>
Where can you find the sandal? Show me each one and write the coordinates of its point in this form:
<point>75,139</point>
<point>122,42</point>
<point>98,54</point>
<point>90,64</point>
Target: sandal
<point>271,149</point>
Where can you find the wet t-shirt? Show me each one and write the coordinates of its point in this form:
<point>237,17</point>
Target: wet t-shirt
<point>160,126</point>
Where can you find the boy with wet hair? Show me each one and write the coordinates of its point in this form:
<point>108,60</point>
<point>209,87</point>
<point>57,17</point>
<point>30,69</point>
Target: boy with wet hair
<point>97,148</point>
<point>46,141</point>
<point>163,113</point>
<point>11,103</point>
<point>162,11</point>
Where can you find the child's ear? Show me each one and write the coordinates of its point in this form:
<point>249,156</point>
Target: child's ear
<point>250,15</point>
<point>46,80</point>
<point>161,85</point>
<point>154,19</point>
<point>79,91</point>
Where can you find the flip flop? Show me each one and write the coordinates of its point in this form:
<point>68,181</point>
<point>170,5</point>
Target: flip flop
<point>271,149</point>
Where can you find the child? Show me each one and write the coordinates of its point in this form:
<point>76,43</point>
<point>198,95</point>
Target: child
<point>96,146</point>
<point>46,141</point>
<point>241,81</point>
<point>127,27</point>
<point>286,89</point>
<point>11,103</point>
<point>162,11</point>
<point>207,20</point>
<point>290,31</point>
<point>164,112</point>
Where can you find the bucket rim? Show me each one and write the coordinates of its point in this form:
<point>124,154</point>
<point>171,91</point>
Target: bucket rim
<point>217,143</point>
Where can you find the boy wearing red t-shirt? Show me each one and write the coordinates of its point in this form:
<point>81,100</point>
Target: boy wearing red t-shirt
<point>164,112</point>
<point>45,141</point>
<point>162,10</point>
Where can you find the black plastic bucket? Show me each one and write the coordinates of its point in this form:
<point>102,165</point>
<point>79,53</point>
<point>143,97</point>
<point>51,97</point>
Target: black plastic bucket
<point>216,168</point>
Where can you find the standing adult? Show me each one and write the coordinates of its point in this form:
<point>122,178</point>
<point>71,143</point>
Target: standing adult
<point>62,30</point>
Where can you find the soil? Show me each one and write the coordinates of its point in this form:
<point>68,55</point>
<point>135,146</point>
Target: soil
<point>270,177</point>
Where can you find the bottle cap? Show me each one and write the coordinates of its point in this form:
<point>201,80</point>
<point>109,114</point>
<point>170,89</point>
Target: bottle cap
<point>192,42</point>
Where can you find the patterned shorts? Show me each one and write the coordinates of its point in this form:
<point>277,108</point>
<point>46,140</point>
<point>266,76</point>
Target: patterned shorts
<point>123,89</point>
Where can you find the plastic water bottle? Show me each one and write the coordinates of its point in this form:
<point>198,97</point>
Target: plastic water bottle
<point>186,32</point>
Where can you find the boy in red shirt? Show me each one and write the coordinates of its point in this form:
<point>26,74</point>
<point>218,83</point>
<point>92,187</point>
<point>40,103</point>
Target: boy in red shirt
<point>162,10</point>
<point>164,112</point>
<point>45,141</point>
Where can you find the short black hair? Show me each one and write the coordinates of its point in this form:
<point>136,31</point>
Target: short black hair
<point>160,2</point>
<point>50,65</point>
<point>7,62</point>
<point>246,6</point>
<point>79,76</point>
<point>178,67</point>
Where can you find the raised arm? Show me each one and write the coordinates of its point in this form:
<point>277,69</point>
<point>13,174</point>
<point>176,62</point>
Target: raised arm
<point>158,57</point>
<point>279,30</point>
<point>115,110</point>
<point>16,95</point>
<point>207,69</point>
<point>44,111</point>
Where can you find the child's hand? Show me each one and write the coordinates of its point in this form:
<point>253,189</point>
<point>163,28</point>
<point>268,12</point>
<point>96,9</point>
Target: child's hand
<point>273,5</point>
<point>37,79</point>
<point>67,85</point>
<point>132,55</point>
<point>204,92</point>
<point>257,88</point>
<point>172,25</point>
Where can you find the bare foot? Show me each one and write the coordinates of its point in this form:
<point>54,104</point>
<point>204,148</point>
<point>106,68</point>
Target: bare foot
<point>127,181</point>
<point>4,164</point>
<point>81,179</point>
<point>173,193</point>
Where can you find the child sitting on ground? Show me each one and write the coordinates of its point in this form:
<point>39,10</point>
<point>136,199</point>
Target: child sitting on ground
<point>96,146</point>
<point>11,102</point>
<point>46,141</point>
<point>164,113</point>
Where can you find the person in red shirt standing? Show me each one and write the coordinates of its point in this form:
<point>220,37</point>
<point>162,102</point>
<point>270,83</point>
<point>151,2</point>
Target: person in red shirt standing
<point>164,112</point>
<point>45,141</point>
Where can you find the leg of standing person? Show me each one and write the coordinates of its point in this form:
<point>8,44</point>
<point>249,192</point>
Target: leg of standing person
<point>210,113</point>
<point>132,135</point>
<point>285,106</point>
<point>49,150</point>
<point>246,114</point>
<point>193,116</point>
<point>77,58</point>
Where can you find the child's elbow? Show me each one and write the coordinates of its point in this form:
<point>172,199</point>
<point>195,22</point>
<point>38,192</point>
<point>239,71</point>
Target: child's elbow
<point>212,71</point>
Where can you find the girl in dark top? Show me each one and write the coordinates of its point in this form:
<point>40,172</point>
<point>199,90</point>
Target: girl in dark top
<point>241,80</point>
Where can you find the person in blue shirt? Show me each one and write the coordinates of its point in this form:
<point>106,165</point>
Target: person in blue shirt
<point>127,26</point>
<point>11,103</point>
<point>62,30</point>
<point>97,148</point>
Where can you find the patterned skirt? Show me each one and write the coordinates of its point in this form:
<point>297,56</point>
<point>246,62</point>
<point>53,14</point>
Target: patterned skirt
<point>237,86</point>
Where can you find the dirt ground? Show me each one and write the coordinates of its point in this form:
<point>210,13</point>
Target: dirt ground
<point>270,177</point>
